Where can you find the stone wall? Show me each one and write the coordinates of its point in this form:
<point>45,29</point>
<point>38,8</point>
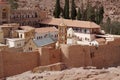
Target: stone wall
<point>102,56</point>
<point>12,63</point>
<point>1,66</point>
<point>49,56</point>
<point>75,55</point>
<point>15,63</point>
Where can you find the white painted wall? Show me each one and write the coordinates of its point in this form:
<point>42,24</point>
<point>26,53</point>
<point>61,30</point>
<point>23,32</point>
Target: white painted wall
<point>85,37</point>
<point>23,35</point>
<point>16,43</point>
<point>48,34</point>
<point>82,36</point>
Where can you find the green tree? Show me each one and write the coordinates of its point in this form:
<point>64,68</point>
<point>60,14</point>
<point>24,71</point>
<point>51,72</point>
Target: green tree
<point>84,15</point>
<point>101,14</point>
<point>73,10</point>
<point>66,10</point>
<point>13,3</point>
<point>57,10</point>
<point>108,28</point>
<point>111,27</point>
<point>92,16</point>
<point>90,11</point>
<point>97,20</point>
<point>79,15</point>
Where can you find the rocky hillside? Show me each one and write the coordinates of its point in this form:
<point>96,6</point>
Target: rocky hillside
<point>72,74</point>
<point>112,7</point>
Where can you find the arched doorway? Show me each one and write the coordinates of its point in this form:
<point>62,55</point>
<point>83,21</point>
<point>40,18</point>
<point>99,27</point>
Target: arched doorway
<point>4,13</point>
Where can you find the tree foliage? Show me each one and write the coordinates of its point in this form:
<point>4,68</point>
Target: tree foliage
<point>101,13</point>
<point>73,10</point>
<point>66,10</point>
<point>79,15</point>
<point>57,10</point>
<point>13,3</point>
<point>111,27</point>
<point>89,13</point>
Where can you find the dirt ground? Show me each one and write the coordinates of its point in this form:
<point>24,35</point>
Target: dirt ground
<point>111,73</point>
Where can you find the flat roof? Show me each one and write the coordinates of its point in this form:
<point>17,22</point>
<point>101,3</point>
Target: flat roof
<point>21,31</point>
<point>28,28</point>
<point>70,23</point>
<point>9,25</point>
<point>105,36</point>
<point>46,29</point>
<point>15,39</point>
<point>2,44</point>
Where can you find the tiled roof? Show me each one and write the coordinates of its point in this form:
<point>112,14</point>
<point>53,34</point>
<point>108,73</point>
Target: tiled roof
<point>71,23</point>
<point>46,29</point>
<point>43,42</point>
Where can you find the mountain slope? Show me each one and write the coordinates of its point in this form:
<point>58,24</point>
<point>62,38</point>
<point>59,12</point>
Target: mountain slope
<point>111,6</point>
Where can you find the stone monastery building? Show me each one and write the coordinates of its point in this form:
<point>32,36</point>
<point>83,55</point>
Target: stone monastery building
<point>22,16</point>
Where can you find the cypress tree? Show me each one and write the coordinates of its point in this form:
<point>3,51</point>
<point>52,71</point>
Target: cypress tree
<point>101,13</point>
<point>79,15</point>
<point>14,4</point>
<point>73,10</point>
<point>89,12</point>
<point>57,10</point>
<point>84,15</point>
<point>97,20</point>
<point>92,16</point>
<point>108,28</point>
<point>82,11</point>
<point>66,9</point>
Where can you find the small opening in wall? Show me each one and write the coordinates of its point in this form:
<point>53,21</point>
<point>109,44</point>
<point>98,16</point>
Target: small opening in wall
<point>53,56</point>
<point>92,54</point>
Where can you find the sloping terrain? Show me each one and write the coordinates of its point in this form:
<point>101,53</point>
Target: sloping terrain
<point>72,74</point>
<point>112,7</point>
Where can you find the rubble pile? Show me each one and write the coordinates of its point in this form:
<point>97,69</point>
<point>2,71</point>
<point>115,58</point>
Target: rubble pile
<point>72,74</point>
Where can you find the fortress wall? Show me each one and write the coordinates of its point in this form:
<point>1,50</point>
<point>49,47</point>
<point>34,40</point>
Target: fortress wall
<point>101,56</point>
<point>15,63</point>
<point>1,66</point>
<point>55,56</point>
<point>107,55</point>
<point>72,55</point>
<point>76,55</point>
<point>49,56</point>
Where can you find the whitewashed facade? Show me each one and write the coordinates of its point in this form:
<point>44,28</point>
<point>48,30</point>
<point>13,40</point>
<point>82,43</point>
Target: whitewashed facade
<point>16,42</point>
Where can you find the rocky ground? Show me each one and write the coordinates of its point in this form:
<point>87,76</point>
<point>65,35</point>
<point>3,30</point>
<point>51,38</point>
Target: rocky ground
<point>112,7</point>
<point>72,74</point>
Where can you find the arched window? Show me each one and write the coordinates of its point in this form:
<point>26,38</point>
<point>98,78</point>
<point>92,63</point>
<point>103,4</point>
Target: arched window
<point>4,13</point>
<point>21,36</point>
<point>30,48</point>
<point>35,15</point>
